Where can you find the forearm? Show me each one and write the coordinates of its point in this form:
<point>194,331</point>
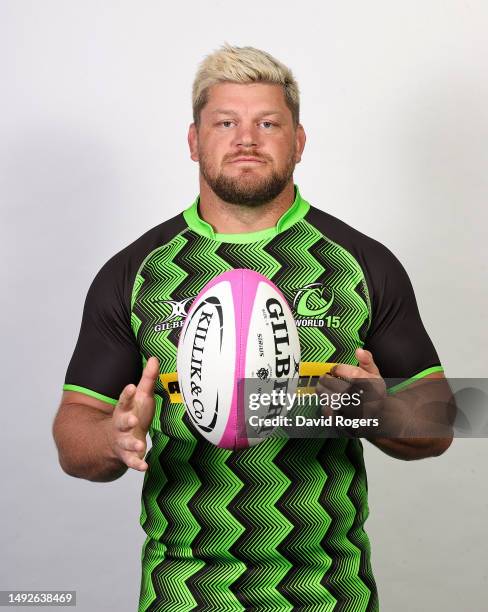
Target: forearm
<point>413,424</point>
<point>418,423</point>
<point>412,448</point>
<point>83,439</point>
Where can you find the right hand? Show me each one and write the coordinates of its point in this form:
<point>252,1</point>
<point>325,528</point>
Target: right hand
<point>132,417</point>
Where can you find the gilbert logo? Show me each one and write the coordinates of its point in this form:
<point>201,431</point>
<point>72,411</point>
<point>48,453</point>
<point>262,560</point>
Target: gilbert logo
<point>311,304</point>
<point>179,310</point>
<point>280,336</point>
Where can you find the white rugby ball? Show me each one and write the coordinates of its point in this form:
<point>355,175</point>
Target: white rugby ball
<point>239,338</point>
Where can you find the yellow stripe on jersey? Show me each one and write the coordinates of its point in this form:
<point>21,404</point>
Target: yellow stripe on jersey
<point>310,371</point>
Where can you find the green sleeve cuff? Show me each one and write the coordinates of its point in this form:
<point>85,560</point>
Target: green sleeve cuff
<point>91,393</point>
<point>413,378</point>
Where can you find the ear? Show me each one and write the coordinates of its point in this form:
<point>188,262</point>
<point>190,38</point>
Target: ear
<point>193,142</point>
<point>300,139</point>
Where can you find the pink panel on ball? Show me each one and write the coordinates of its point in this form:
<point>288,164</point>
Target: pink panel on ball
<point>244,284</point>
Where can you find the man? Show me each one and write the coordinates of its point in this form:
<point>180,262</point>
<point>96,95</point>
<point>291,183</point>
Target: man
<point>279,525</point>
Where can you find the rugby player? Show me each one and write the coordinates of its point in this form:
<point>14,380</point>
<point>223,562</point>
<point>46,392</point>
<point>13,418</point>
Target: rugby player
<point>280,525</point>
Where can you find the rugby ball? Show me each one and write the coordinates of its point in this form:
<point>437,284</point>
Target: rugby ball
<point>239,339</point>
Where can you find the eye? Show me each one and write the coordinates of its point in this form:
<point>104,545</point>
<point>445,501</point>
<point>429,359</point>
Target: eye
<point>227,123</point>
<point>267,124</point>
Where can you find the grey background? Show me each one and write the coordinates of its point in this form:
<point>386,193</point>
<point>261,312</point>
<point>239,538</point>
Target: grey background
<point>95,107</point>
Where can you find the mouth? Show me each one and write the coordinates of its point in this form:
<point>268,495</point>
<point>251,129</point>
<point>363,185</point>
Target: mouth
<point>247,160</point>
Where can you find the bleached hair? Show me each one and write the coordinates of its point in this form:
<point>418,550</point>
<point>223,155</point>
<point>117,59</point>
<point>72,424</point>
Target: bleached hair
<point>243,65</point>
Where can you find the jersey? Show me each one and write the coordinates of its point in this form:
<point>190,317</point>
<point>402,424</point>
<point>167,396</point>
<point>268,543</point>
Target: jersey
<point>279,525</point>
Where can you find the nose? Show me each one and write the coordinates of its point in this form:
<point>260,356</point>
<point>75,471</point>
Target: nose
<point>246,135</point>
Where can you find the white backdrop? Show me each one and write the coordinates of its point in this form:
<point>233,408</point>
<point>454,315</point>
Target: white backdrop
<point>95,106</point>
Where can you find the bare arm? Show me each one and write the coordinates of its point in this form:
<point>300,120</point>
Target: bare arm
<point>412,448</point>
<point>412,402</point>
<point>98,441</point>
<point>82,432</point>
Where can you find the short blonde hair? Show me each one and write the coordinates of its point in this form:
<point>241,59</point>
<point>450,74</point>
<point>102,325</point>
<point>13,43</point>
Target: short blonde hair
<point>243,65</point>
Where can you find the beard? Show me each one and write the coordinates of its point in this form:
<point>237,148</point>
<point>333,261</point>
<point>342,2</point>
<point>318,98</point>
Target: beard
<point>249,188</point>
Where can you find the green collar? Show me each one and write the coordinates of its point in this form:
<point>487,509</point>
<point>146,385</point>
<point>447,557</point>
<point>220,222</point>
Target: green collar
<point>297,211</point>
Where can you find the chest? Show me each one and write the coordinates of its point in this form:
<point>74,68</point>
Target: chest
<point>323,284</point>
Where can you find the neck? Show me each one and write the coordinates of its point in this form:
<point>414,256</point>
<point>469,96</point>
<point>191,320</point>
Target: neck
<point>228,218</point>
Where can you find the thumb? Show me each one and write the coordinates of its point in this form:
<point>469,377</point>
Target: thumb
<point>149,376</point>
<point>366,361</point>
<point>144,404</point>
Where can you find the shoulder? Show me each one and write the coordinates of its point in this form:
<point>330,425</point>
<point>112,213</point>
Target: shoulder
<point>351,239</point>
<point>134,254</point>
<point>373,256</point>
<point>116,277</point>
<point>383,271</point>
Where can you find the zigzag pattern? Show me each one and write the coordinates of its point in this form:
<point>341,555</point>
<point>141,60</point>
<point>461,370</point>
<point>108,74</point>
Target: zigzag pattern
<point>219,527</point>
<point>152,486</point>
<point>343,278</point>
<point>201,262</point>
<point>178,487</point>
<point>342,578</point>
<point>265,526</point>
<point>358,492</point>
<point>293,250</point>
<point>250,255</point>
<point>158,277</point>
<point>300,504</point>
<point>277,526</point>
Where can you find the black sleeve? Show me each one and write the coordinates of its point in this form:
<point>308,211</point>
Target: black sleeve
<point>397,337</point>
<point>106,356</point>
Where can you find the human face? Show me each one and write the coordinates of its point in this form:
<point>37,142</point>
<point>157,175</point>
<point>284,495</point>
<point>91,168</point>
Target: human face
<point>246,144</point>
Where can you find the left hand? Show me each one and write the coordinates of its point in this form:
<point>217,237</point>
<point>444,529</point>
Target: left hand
<point>365,378</point>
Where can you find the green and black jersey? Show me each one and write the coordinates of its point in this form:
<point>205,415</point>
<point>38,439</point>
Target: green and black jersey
<point>280,525</point>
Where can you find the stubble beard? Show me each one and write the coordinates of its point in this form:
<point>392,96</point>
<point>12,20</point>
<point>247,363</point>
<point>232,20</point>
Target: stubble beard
<point>248,189</point>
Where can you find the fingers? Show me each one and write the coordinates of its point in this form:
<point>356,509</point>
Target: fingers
<point>130,443</point>
<point>363,378</point>
<point>347,371</point>
<point>124,403</point>
<point>366,361</point>
<point>331,384</point>
<point>129,448</point>
<point>131,451</point>
<point>126,421</point>
<point>133,461</point>
<point>132,417</point>
<point>149,376</point>
<point>137,464</point>
<point>365,369</point>
<point>123,416</point>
